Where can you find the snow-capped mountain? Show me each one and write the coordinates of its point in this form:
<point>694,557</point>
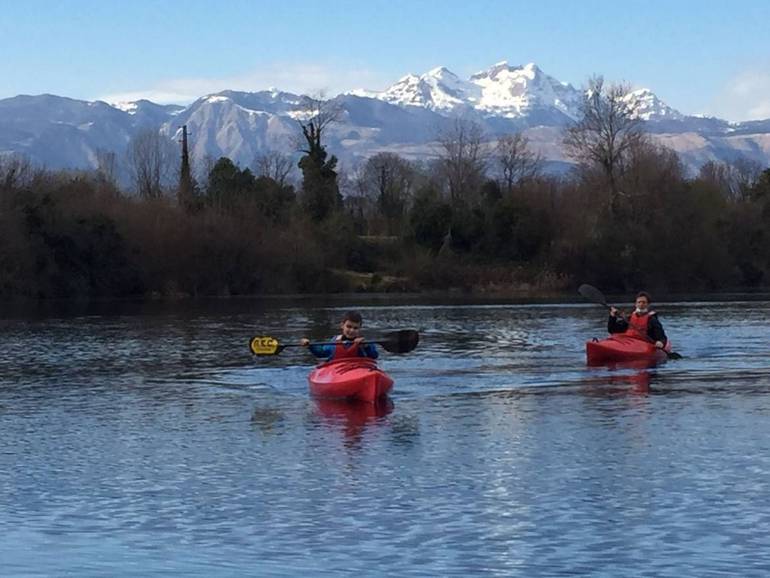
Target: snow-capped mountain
<point>515,91</point>
<point>647,106</point>
<point>406,119</point>
<point>439,90</point>
<point>238,124</point>
<point>501,91</point>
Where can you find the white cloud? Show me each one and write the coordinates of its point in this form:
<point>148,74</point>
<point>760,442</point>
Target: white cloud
<point>309,79</point>
<point>746,97</point>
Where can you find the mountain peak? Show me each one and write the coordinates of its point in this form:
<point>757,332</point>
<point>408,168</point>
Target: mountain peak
<point>440,72</point>
<point>502,68</point>
<point>647,106</point>
<point>62,132</point>
<point>502,89</point>
<point>126,106</point>
<point>438,89</point>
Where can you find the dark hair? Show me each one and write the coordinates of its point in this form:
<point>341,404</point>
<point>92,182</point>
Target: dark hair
<point>645,295</point>
<point>353,316</point>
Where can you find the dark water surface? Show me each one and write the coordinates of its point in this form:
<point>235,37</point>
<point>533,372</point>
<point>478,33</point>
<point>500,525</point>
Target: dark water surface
<point>147,441</point>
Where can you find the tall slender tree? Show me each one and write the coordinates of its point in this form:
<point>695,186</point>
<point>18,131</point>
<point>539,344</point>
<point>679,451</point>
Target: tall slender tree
<point>320,190</point>
<point>187,192</point>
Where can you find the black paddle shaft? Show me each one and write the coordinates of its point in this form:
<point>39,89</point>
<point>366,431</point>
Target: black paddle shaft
<point>402,341</point>
<point>591,293</point>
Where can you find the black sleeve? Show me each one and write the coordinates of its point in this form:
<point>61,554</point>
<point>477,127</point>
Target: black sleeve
<point>616,325</point>
<point>655,330</point>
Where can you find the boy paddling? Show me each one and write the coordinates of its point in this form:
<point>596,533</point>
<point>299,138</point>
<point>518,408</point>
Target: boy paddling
<point>348,344</point>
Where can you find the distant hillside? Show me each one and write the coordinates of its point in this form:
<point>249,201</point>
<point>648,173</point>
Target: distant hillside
<point>406,118</point>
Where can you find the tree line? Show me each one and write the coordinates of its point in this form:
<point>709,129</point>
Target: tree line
<point>481,216</point>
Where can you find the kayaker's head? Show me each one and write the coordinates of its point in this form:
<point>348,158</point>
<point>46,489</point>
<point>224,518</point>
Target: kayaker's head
<point>642,302</point>
<point>351,325</point>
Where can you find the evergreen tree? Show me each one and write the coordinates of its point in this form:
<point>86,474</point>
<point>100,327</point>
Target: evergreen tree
<point>186,191</point>
<point>320,190</point>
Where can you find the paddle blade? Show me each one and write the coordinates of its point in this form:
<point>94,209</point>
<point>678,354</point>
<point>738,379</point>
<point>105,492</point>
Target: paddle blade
<point>591,293</point>
<point>265,345</point>
<point>402,341</point>
<point>673,355</point>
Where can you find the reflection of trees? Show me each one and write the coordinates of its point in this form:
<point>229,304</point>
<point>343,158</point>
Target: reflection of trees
<point>405,430</point>
<point>266,418</point>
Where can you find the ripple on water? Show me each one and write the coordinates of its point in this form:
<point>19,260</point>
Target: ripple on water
<point>151,444</point>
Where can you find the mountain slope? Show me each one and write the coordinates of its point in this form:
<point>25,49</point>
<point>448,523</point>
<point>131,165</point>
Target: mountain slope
<point>407,118</point>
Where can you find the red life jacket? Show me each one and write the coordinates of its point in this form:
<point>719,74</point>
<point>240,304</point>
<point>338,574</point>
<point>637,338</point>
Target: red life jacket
<point>342,352</point>
<point>637,325</point>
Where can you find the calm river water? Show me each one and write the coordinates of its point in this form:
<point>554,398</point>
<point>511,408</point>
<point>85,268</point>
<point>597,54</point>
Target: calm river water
<point>146,441</point>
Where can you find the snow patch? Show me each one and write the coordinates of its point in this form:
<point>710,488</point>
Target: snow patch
<point>217,98</point>
<point>129,107</point>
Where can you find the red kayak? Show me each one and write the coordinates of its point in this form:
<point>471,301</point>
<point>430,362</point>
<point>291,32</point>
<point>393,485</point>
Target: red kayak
<point>621,348</point>
<point>354,378</point>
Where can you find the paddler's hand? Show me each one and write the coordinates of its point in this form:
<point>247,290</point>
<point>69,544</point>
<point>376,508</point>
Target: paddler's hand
<point>613,311</point>
<point>659,344</point>
<point>359,340</point>
<point>304,342</point>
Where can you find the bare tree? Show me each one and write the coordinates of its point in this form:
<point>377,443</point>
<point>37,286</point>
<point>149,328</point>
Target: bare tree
<point>735,179</point>
<point>516,161</point>
<point>106,165</point>
<point>316,116</point>
<point>152,161</point>
<point>204,168</point>
<point>388,180</point>
<point>606,133</point>
<point>15,172</point>
<point>273,164</point>
<point>653,174</point>
<point>462,159</point>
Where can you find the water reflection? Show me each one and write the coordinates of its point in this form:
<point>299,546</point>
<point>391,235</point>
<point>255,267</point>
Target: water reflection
<point>636,375</point>
<point>267,419</point>
<point>153,440</point>
<point>637,383</point>
<point>353,417</point>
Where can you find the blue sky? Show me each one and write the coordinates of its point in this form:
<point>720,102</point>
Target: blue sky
<point>701,57</point>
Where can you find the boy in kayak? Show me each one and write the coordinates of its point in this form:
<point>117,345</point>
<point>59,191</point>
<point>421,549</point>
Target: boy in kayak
<point>641,323</point>
<point>349,343</point>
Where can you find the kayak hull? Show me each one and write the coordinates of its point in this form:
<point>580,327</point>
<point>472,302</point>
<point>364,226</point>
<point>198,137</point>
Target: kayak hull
<point>623,348</point>
<point>357,378</point>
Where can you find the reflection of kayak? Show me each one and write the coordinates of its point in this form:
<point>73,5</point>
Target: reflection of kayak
<point>353,415</point>
<point>619,348</point>
<point>356,378</point>
<point>353,412</point>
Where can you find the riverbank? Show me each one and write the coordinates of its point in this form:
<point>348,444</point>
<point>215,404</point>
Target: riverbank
<point>20,308</point>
